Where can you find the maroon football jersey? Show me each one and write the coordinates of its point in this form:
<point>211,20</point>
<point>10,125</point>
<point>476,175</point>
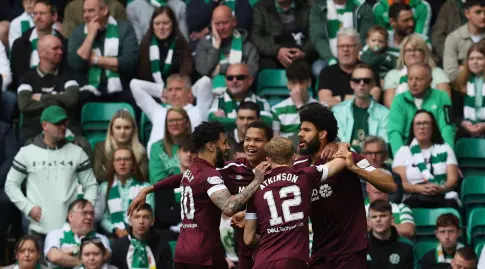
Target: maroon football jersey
<point>282,206</point>
<point>198,240</point>
<point>338,214</point>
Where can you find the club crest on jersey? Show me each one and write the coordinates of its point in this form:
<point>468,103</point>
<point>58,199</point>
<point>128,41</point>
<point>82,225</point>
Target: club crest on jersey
<point>394,258</point>
<point>215,180</point>
<point>239,177</point>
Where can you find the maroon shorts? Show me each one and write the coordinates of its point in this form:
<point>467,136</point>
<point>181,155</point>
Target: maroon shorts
<point>283,264</point>
<point>217,264</point>
<point>245,262</point>
<point>356,260</point>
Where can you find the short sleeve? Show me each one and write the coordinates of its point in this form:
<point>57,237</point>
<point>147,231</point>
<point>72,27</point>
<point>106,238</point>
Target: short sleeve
<point>362,163</point>
<point>214,183</point>
<point>251,210</point>
<point>451,158</point>
<point>324,81</point>
<point>402,155</point>
<point>405,214</point>
<point>391,80</point>
<point>52,240</point>
<point>321,172</point>
<point>439,76</point>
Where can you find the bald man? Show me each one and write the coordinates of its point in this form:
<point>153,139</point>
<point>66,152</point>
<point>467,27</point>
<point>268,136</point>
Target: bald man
<point>224,46</point>
<point>47,84</point>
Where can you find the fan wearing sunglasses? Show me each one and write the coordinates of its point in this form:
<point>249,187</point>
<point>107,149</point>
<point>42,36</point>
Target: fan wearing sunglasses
<point>361,116</point>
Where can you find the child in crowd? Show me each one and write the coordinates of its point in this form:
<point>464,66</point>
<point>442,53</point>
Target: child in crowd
<point>376,53</point>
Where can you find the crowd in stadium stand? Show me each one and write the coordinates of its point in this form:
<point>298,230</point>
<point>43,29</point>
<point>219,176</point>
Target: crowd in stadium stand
<point>100,98</point>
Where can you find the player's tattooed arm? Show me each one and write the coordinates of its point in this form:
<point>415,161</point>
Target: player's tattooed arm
<point>231,204</point>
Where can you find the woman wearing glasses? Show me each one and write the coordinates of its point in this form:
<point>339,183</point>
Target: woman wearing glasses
<point>27,253</point>
<point>427,166</point>
<point>413,50</point>
<point>122,132</point>
<point>92,252</point>
<point>114,196</point>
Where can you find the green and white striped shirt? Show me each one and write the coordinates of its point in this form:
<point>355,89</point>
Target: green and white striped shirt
<point>401,212</point>
<point>286,120</point>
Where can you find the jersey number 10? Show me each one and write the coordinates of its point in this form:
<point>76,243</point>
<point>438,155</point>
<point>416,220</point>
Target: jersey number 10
<point>285,205</point>
<point>187,207</point>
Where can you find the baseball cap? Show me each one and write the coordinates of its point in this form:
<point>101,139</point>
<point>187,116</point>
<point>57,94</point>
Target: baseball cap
<point>53,114</point>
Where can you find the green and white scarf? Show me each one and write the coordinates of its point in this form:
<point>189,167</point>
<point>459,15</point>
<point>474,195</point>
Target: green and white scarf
<point>440,254</point>
<point>403,81</point>
<point>139,256</point>
<point>115,202</point>
<point>34,54</point>
<point>26,23</point>
<point>471,112</point>
<point>438,158</point>
<point>158,3</point>
<point>111,46</point>
<point>235,57</point>
<point>336,19</point>
<point>105,266</point>
<point>37,266</point>
<point>155,59</point>
<point>69,239</point>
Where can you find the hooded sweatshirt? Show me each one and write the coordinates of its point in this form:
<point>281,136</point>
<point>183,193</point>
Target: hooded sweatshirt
<point>421,10</point>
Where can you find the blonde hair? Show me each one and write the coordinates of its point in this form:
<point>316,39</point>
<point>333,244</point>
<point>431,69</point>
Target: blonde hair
<point>417,42</point>
<point>110,144</point>
<point>168,140</point>
<point>279,149</point>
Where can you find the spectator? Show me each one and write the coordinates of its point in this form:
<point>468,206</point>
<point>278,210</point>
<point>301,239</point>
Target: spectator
<point>122,132</point>
<point>8,148</point>
<point>375,151</point>
<point>228,241</point>
<point>421,12</point>
<point>361,116</point>
<point>450,17</point>
<point>142,248</point>
<point>427,165</point>
<point>105,52</point>
<point>470,83</point>
<point>27,254</point>
<point>47,84</point>
<point>376,52</point>
<point>92,251</point>
<point>402,215</point>
<point>124,183</point>
<point>22,23</point>
<point>140,11</point>
<point>387,248</point>
<point>413,50</point>
<point>286,121</point>
<point>25,51</point>
<point>4,26</point>
<point>464,257</point>
<point>164,159</point>
<point>62,245</point>
<point>178,93</point>
<point>419,96</point>
<point>8,98</point>
<point>328,17</point>
<point>247,112</point>
<point>225,46</point>
<point>164,50</point>
<point>447,231</point>
<point>460,40</point>
<point>238,81</point>
<point>280,33</point>
<point>73,17</point>
<point>402,22</point>
<point>49,161</point>
<point>334,83</point>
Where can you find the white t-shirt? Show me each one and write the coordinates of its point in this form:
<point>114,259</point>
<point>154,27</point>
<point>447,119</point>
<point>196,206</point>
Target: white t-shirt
<point>404,158</point>
<point>477,38</point>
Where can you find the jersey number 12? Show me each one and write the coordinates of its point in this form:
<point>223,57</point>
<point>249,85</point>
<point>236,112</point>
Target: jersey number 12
<point>285,205</point>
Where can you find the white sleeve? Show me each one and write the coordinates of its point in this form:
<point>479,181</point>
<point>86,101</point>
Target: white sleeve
<point>202,90</point>
<point>143,92</point>
<point>52,240</point>
<point>14,32</point>
<point>214,184</point>
<point>323,170</point>
<point>5,71</point>
<point>402,156</point>
<point>451,158</point>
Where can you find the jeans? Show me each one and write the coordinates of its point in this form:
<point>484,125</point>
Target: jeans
<point>9,103</point>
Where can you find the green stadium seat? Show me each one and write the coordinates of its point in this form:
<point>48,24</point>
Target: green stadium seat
<point>425,219</point>
<point>145,128</point>
<point>476,225</point>
<point>272,82</point>
<point>470,153</point>
<point>95,117</point>
<point>472,193</point>
<point>479,247</point>
<point>422,247</point>
<point>273,100</point>
<point>96,138</point>
<point>172,247</point>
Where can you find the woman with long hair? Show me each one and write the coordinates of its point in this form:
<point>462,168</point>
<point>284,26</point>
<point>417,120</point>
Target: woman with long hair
<point>27,254</point>
<point>470,83</point>
<point>413,50</point>
<point>122,132</point>
<point>124,182</point>
<point>92,252</point>
<point>427,165</point>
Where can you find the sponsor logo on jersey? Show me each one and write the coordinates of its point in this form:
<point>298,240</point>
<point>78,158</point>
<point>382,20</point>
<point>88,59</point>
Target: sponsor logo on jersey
<point>325,191</point>
<point>215,180</point>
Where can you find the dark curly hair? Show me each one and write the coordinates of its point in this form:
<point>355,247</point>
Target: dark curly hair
<point>322,118</point>
<point>204,133</point>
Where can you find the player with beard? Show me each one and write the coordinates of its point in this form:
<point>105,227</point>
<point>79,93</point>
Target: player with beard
<point>204,196</point>
<point>337,215</point>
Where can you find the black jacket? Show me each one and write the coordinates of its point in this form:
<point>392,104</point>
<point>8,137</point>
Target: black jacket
<point>429,261</point>
<point>390,254</point>
<point>160,249</point>
<point>20,57</point>
<point>8,148</point>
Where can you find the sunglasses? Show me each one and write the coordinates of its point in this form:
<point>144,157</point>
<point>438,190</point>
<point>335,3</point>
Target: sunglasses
<point>360,80</point>
<point>237,77</point>
<point>94,240</point>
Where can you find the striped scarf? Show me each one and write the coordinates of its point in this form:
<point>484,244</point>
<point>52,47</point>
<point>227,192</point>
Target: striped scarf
<point>155,59</point>
<point>37,266</point>
<point>139,256</point>
<point>34,54</point>
<point>336,19</point>
<point>69,239</point>
<point>235,57</point>
<point>438,157</point>
<point>111,45</point>
<point>440,253</point>
<point>471,112</point>
<point>158,3</point>
<point>115,202</point>
<point>403,81</point>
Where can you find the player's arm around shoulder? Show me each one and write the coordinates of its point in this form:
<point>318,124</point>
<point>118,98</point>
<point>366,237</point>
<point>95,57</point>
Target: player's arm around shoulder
<point>250,227</point>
